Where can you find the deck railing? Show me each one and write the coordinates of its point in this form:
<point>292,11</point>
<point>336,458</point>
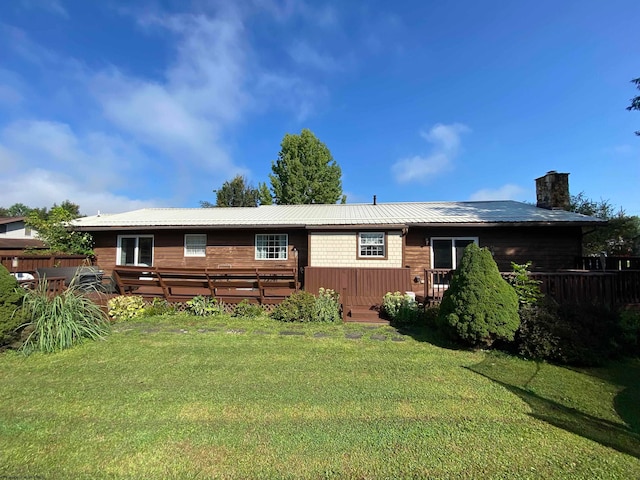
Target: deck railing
<point>608,264</point>
<point>606,288</point>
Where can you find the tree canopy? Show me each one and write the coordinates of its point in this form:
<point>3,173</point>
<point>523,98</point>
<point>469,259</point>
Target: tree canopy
<point>305,172</point>
<point>240,193</point>
<point>635,101</point>
<point>54,230</point>
<point>621,235</point>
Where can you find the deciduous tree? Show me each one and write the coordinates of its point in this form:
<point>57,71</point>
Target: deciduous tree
<point>235,193</point>
<point>619,237</point>
<point>635,101</point>
<point>305,172</point>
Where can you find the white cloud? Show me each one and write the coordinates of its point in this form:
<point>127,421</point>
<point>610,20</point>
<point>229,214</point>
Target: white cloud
<point>446,146</point>
<point>47,162</point>
<point>506,192</point>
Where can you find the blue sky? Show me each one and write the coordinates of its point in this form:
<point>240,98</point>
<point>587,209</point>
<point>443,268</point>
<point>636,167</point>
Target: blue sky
<point>120,105</point>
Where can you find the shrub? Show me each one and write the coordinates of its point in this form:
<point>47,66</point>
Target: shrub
<point>298,307</point>
<point>204,306</point>
<point>527,289</point>
<point>61,321</point>
<point>11,315</point>
<point>629,331</point>
<point>479,306</point>
<point>126,307</point>
<point>327,308</point>
<point>570,334</point>
<point>401,308</point>
<point>244,309</point>
<point>159,306</point>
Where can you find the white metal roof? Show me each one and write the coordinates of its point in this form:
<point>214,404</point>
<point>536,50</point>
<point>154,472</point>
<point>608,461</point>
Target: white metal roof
<point>387,214</point>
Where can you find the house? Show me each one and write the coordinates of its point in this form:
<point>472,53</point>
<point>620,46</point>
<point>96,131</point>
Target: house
<point>374,237</point>
<point>16,236</point>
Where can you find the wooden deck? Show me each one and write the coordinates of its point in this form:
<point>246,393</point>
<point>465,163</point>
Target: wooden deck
<point>262,286</point>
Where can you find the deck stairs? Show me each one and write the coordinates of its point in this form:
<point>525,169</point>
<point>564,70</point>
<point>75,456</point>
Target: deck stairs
<point>363,310</point>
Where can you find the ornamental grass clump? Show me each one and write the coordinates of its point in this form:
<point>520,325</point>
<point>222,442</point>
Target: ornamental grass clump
<point>61,321</point>
<point>479,306</point>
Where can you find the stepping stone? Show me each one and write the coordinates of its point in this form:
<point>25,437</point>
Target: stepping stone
<point>353,335</point>
<point>261,332</point>
<point>289,332</point>
<point>398,339</point>
<point>235,331</point>
<point>381,338</point>
<point>321,335</point>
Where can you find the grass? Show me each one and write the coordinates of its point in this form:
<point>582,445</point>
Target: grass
<point>173,397</point>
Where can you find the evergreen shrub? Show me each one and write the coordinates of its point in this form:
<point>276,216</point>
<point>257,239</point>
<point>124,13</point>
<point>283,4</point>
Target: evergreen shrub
<point>479,306</point>
<point>11,315</point>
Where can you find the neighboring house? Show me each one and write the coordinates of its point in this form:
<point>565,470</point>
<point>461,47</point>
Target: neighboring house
<point>15,236</point>
<point>414,236</point>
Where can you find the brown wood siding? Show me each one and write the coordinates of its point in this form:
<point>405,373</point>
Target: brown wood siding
<point>225,248</point>
<point>548,248</point>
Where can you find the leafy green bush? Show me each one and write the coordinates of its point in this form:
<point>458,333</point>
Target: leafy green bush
<point>244,309</point>
<point>299,307</point>
<point>327,306</point>
<point>401,308</point>
<point>61,321</point>
<point>159,306</point>
<point>587,335</point>
<point>629,331</point>
<point>126,307</point>
<point>479,306</point>
<point>527,289</point>
<point>11,316</point>
<point>204,306</point>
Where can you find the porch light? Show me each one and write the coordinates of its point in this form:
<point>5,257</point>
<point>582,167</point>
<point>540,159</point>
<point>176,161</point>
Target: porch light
<point>14,262</point>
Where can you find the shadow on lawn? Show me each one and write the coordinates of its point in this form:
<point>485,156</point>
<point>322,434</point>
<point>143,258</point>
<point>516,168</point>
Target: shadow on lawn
<point>610,434</point>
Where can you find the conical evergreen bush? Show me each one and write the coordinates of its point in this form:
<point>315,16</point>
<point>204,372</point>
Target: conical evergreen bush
<point>479,305</point>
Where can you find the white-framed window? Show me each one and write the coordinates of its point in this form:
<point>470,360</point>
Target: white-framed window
<point>371,245</point>
<point>195,245</point>
<point>270,246</point>
<point>135,250</point>
<point>446,252</point>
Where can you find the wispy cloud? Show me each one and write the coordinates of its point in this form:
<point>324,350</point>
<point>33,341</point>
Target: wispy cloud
<point>307,56</point>
<point>505,192</point>
<point>52,6</point>
<point>446,141</point>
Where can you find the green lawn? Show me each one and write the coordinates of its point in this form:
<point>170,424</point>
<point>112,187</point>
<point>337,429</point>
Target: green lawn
<point>178,398</point>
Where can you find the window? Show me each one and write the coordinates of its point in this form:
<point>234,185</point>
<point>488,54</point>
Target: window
<point>135,250</point>
<point>271,246</point>
<point>371,245</point>
<point>446,253</point>
<point>3,228</point>
<point>195,245</point>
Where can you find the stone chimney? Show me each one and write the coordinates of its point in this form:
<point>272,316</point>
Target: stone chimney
<point>552,191</point>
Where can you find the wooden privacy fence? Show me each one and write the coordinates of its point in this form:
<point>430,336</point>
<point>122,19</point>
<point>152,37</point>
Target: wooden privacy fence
<point>606,288</point>
<point>30,263</point>
<point>263,286</point>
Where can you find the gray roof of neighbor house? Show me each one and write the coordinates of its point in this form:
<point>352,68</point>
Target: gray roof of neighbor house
<point>334,216</point>
<point>5,220</point>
